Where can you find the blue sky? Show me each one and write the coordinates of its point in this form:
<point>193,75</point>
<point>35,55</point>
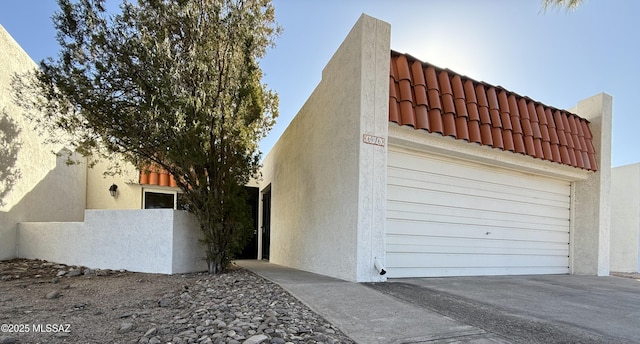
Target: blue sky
<point>556,57</point>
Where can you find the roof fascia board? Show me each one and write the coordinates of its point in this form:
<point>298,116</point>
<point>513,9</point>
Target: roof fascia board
<point>448,146</point>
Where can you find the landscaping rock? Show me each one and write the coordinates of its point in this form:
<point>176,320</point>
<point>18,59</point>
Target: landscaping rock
<point>74,272</point>
<point>257,339</point>
<point>53,295</point>
<point>8,340</point>
<point>125,327</point>
<point>150,332</point>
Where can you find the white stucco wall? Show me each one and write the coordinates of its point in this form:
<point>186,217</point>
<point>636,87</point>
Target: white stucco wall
<point>327,186</point>
<point>188,254</point>
<point>57,196</point>
<point>154,241</point>
<point>591,197</point>
<point>625,218</point>
<point>47,189</point>
<point>374,121</point>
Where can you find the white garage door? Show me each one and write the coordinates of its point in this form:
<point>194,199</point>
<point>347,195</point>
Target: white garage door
<point>449,217</point>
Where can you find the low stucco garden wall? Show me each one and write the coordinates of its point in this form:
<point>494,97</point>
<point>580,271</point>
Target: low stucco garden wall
<point>153,241</point>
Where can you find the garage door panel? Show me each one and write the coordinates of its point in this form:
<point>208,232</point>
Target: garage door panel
<point>484,271</point>
<point>413,164</point>
<point>478,261</point>
<point>438,213</point>
<point>447,217</point>
<point>399,243</point>
<point>473,250</point>
<point>473,231</point>
<point>474,201</point>
<point>428,181</point>
<point>470,242</point>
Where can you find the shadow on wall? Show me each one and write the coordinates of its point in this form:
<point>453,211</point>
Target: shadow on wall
<point>9,148</point>
<point>60,196</point>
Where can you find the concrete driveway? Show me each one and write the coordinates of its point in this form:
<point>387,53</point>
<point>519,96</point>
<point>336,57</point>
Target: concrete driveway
<point>531,309</point>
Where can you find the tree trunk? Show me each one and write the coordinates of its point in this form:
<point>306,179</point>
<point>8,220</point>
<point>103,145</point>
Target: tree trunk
<point>214,241</point>
<point>216,259</point>
<point>215,267</point>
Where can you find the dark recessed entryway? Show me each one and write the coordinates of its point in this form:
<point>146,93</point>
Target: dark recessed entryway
<point>266,221</point>
<point>250,251</point>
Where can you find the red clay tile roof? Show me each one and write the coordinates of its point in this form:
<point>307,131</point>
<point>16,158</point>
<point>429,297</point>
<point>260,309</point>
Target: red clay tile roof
<point>440,101</point>
<point>157,177</point>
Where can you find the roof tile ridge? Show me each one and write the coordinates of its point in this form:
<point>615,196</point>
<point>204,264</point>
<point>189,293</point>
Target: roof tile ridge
<point>484,83</point>
<point>440,100</point>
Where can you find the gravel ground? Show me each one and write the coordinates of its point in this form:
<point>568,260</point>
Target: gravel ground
<point>43,302</point>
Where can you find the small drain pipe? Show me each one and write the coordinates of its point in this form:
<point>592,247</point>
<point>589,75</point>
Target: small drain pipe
<point>379,267</point>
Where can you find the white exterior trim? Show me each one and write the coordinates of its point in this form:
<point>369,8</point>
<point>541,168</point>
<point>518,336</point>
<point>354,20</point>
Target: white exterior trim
<point>572,230</point>
<point>438,144</point>
<point>161,190</point>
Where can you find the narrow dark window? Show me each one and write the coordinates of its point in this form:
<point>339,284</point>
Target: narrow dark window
<point>157,200</point>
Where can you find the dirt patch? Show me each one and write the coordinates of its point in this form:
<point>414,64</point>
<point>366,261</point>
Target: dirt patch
<point>41,307</point>
<point>43,302</point>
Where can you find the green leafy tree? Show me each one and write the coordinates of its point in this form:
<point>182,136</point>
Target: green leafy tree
<point>171,83</point>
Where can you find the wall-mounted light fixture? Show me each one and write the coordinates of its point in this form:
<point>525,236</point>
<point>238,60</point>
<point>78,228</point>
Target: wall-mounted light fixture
<point>113,189</point>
